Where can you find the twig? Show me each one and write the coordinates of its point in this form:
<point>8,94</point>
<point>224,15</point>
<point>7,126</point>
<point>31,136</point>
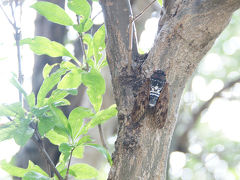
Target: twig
<point>17,37</point>
<point>197,113</point>
<point>101,136</point>
<point>96,15</point>
<point>130,34</point>
<point>69,162</point>
<point>141,13</point>
<point>5,14</point>
<point>82,45</point>
<point>38,140</point>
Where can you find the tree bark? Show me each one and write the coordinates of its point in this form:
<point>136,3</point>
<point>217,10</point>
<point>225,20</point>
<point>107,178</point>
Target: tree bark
<point>187,31</point>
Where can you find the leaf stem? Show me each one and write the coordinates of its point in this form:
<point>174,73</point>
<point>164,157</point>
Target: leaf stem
<point>69,162</point>
<point>38,140</point>
<point>17,37</point>
<point>82,44</point>
<point>141,13</point>
<point>101,136</point>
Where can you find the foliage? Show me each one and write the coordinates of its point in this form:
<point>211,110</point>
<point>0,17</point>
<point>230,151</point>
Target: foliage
<point>42,114</point>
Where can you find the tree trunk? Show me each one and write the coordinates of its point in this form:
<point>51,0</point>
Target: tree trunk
<point>187,30</point>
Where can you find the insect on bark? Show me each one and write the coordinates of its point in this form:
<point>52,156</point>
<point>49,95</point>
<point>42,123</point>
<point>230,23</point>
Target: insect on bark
<point>157,83</point>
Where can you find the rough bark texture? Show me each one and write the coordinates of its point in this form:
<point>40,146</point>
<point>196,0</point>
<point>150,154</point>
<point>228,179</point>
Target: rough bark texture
<point>187,31</point>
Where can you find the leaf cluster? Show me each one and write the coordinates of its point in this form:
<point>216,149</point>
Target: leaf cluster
<point>42,113</point>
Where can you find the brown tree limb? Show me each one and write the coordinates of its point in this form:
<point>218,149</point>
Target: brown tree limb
<point>188,30</point>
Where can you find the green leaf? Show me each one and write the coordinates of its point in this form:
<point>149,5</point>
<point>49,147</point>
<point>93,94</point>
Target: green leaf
<point>84,26</point>
<point>15,82</point>
<point>41,45</point>
<point>48,84</point>
<point>88,40</point>
<point>5,110</point>
<point>84,171</point>
<point>32,175</point>
<point>83,140</point>
<point>23,133</point>
<point>103,63</point>
<point>76,119</point>
<point>103,151</point>
<point>160,2</point>
<point>13,170</point>
<point>102,116</point>
<point>96,87</point>
<point>47,69</point>
<point>56,138</point>
<point>46,124</point>
<point>73,79</point>
<point>99,43</point>
<point>66,150</point>
<point>59,94</point>
<point>53,13</point>
<point>36,168</point>
<point>78,152</point>
<point>67,65</point>
<point>80,7</point>
<point>6,131</point>
<point>31,99</point>
<point>62,121</point>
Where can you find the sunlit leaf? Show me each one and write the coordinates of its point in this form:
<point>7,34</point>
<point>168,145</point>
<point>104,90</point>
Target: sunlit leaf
<point>53,13</point>
<point>42,45</point>
<point>23,133</point>
<point>46,124</point>
<point>13,170</point>
<point>36,168</point>
<point>102,150</point>
<point>80,7</point>
<point>84,171</point>
<point>84,26</point>
<point>160,2</point>
<point>96,87</point>
<point>76,119</point>
<point>102,116</point>
<point>73,79</point>
<point>78,152</point>
<point>99,43</point>
<point>31,99</point>
<point>47,69</point>
<point>48,85</point>
<point>6,131</point>
<point>56,138</point>
<point>88,40</point>
<point>32,175</point>
<point>58,94</point>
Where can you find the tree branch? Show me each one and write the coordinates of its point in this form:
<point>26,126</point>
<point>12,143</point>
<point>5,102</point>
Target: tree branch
<point>38,140</point>
<point>183,139</point>
<point>189,30</point>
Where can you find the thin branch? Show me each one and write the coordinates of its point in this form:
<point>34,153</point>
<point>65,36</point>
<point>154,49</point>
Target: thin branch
<point>230,84</point>
<point>38,140</point>
<point>141,13</point>
<point>96,15</point>
<point>101,136</point>
<point>81,42</point>
<point>130,34</point>
<point>17,37</point>
<point>69,162</point>
<point>196,114</point>
<point>5,14</point>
